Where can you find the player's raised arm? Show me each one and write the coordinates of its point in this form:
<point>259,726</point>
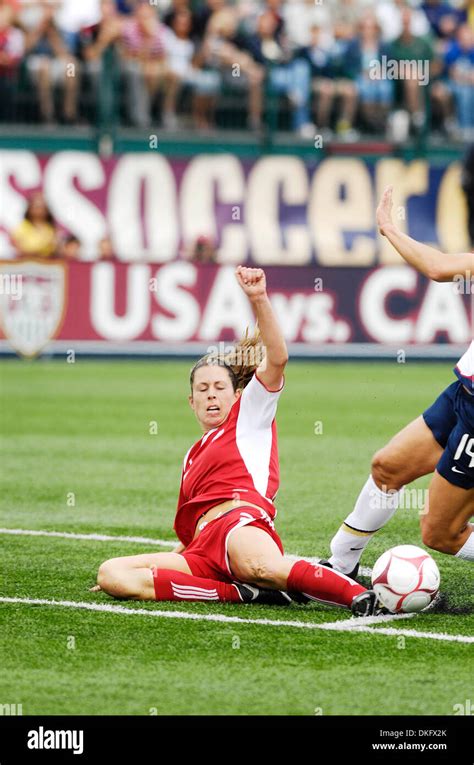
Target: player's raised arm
<point>432,263</point>
<point>270,371</point>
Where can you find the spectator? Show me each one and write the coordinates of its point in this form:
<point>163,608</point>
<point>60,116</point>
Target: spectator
<point>176,7</point>
<point>418,51</point>
<point>106,250</point>
<point>145,66</point>
<point>184,64</point>
<point>70,248</point>
<point>95,40</point>
<point>203,251</point>
<point>49,62</point>
<point>36,235</point>
<point>203,14</point>
<point>460,65</point>
<point>443,18</point>
<point>287,75</point>
<point>11,51</point>
<point>72,16</point>
<point>300,16</point>
<point>221,51</point>
<point>344,32</point>
<point>390,17</point>
<point>345,17</point>
<point>467,182</point>
<point>375,91</point>
<point>323,84</point>
<point>275,7</point>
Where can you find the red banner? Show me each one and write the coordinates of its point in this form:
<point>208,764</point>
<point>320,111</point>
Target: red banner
<point>180,307</point>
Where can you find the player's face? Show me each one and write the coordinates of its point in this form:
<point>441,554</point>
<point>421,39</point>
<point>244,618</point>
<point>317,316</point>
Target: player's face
<point>212,396</point>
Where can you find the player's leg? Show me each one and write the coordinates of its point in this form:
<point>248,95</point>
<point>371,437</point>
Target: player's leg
<point>161,576</point>
<point>445,524</point>
<point>412,453</point>
<point>132,576</point>
<point>255,558</point>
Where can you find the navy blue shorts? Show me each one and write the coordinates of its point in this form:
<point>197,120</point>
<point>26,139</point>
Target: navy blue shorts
<point>451,420</point>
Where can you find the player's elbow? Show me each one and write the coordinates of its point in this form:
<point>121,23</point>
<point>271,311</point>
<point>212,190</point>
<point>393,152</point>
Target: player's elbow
<point>279,357</point>
<point>440,271</point>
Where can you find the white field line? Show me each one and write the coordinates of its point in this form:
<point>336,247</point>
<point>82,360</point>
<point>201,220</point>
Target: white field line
<point>92,537</point>
<point>347,625</point>
<point>136,540</point>
<point>352,625</point>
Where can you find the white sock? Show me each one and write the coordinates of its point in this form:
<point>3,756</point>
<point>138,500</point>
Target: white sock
<point>467,550</point>
<point>373,509</point>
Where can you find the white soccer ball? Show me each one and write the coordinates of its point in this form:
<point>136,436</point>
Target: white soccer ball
<point>406,579</point>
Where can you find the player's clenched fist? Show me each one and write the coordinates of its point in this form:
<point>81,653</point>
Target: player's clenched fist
<point>252,281</point>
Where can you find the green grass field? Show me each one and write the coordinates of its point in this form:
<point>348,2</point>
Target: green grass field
<point>77,456</point>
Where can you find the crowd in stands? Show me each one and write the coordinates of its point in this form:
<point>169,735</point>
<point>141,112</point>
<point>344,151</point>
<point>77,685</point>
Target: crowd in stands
<point>39,236</point>
<point>179,60</point>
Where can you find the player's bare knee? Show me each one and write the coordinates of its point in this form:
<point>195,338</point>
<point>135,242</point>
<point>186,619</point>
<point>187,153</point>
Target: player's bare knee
<point>111,579</point>
<point>385,472</point>
<point>103,574</point>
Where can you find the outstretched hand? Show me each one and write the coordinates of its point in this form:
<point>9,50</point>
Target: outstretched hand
<point>252,281</point>
<point>384,210</point>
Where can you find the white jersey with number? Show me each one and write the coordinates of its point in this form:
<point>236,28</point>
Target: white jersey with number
<point>465,368</point>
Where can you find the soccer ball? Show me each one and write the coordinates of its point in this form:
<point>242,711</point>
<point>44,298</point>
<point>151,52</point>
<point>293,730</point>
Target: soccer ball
<point>405,579</point>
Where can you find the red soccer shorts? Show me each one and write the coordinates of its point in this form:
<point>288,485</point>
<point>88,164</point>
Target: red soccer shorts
<point>207,556</point>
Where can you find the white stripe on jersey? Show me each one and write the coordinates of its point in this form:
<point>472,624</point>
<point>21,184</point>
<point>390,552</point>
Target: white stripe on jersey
<point>253,431</point>
<point>186,458</point>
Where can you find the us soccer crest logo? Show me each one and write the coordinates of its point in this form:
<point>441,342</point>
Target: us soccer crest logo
<point>32,304</point>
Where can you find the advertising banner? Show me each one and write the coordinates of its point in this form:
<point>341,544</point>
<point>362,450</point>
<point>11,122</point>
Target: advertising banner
<point>184,308</point>
<point>275,210</point>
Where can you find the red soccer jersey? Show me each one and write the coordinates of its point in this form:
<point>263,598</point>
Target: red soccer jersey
<point>237,460</point>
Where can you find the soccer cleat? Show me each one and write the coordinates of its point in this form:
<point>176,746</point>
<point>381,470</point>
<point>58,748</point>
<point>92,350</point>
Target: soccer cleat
<point>352,574</point>
<point>298,597</point>
<point>251,594</point>
<point>367,604</point>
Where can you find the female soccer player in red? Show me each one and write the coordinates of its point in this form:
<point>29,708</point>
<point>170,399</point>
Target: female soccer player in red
<point>230,551</point>
<point>441,441</point>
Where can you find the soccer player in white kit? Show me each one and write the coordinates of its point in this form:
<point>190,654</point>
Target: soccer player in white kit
<point>441,441</point>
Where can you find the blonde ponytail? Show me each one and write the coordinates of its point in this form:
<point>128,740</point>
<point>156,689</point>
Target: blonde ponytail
<point>246,356</point>
<point>241,362</point>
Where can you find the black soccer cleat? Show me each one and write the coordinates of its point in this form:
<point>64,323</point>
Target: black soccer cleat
<point>299,597</point>
<point>251,594</point>
<point>367,604</point>
<point>352,574</point>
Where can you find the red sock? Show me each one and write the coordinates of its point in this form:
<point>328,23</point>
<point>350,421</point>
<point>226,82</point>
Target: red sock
<point>323,583</point>
<point>175,585</point>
